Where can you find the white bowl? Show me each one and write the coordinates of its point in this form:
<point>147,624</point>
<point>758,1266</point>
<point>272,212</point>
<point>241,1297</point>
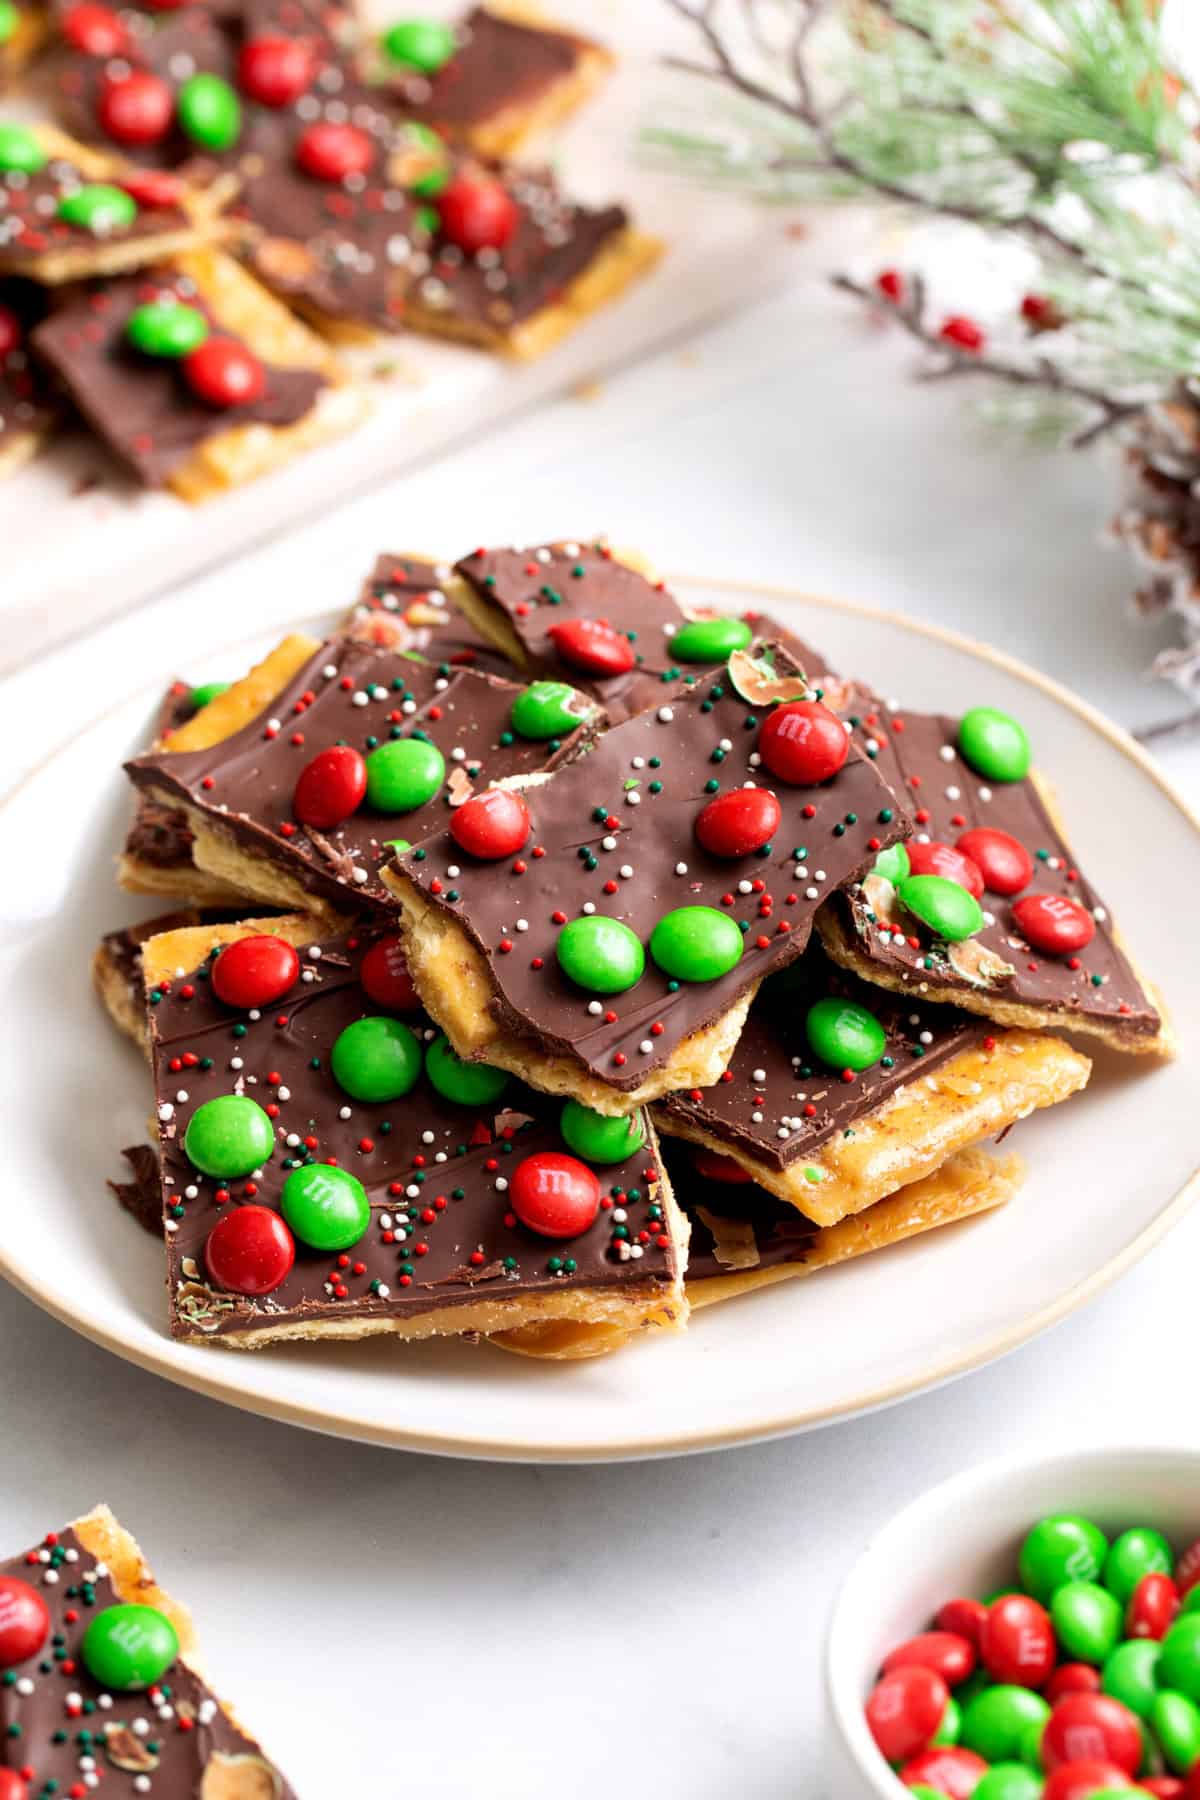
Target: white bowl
<point>963,1538</point>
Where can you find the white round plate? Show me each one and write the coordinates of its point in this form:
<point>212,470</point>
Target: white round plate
<point>1108,1173</point>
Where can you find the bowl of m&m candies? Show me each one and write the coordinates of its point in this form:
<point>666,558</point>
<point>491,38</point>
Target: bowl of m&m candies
<point>1027,1631</point>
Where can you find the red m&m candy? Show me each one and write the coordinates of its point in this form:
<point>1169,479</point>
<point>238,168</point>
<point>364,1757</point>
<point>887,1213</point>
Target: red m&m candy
<point>1152,1607</point>
<point>953,1771</point>
<point>331,152</point>
<point>554,1195</point>
<point>1018,1641</point>
<point>1071,1678</point>
<point>593,646</point>
<point>331,787</point>
<point>1002,860</point>
<point>225,373</point>
<point>11,1786</point>
<point>274,70</point>
<point>904,1710</point>
<point>24,1621</point>
<point>738,823</point>
<point>950,1656</point>
<point>1095,1726</point>
<point>803,743</point>
<point>950,864</point>
<point>153,189</point>
<point>966,1617</point>
<point>477,213</point>
<point>95,30</point>
<point>137,109</point>
<point>491,825</point>
<point>255,971</point>
<point>384,974</point>
<point>250,1251</point>
<point>1053,924</point>
<point>10,331</point>
<point>1085,1778</point>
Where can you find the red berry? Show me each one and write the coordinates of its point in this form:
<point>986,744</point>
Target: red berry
<point>275,70</point>
<point>95,30</point>
<point>803,743</point>
<point>477,212</point>
<point>904,1709</point>
<point>1081,1780</point>
<point>554,1195</point>
<point>1092,1725</point>
<point>942,859</point>
<point>592,646</point>
<point>737,823</point>
<point>24,1621</point>
<point>890,283</point>
<point>137,109</point>
<point>384,974</point>
<point>255,971</point>
<point>153,189</point>
<point>948,1655</point>
<point>1152,1607</point>
<point>966,1617</point>
<point>1187,1569</point>
<point>10,331</point>
<point>963,333</point>
<point>1018,1641</point>
<point>224,373</point>
<point>1052,923</point>
<point>250,1251</point>
<point>1071,1678</point>
<point>952,1770</point>
<point>491,825</point>
<point>331,152</point>
<point>1004,863</point>
<point>330,788</point>
<point>11,1786</point>
<point>715,1167</point>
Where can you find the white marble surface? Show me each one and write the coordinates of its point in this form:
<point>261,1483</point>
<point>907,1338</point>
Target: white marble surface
<point>438,1631</point>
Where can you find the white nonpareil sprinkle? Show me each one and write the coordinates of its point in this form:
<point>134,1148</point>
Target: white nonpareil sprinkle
<point>820,875</point>
<point>625,871</point>
<point>665,714</point>
<point>522,924</point>
<point>344,1112</point>
<point>329,671</point>
<point>181,1096</point>
<point>608,843</point>
<point>638,762</point>
<point>191,1191</point>
<point>953,793</point>
<point>758,1075</point>
<point>634,799</point>
<point>589,906</point>
<point>811,893</point>
<point>595,1008</point>
<point>501,1184</point>
<point>745,887</point>
<point>236,1062</point>
<point>645,1046</point>
<point>984,793</point>
<point>314,951</point>
<point>166,1111</point>
<point>947,752</point>
<point>453,871</point>
<point>681,868</point>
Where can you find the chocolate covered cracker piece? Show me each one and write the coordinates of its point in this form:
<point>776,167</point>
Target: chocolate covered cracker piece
<point>410,603</point>
<point>511,74</point>
<point>832,1139</point>
<point>145,407</point>
<point>117,970</point>
<point>442,1251</point>
<point>29,409</point>
<point>237,786</point>
<point>75,1720</point>
<point>613,837</point>
<point>996,972</point>
<point>156,857</point>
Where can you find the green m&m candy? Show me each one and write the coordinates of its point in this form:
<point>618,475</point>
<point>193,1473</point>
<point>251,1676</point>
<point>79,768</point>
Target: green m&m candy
<point>949,910</point>
<point>696,943</point>
<point>996,1722</point>
<point>893,864</point>
<point>1130,1674</point>
<point>98,208</point>
<point>376,1059</point>
<point>129,1647</point>
<point>10,18</point>
<point>164,328</point>
<point>229,1136</point>
<point>994,744</point>
<point>1137,1552</point>
<point>325,1207</point>
<point>1063,1547</point>
<point>1008,1781</point>
<point>20,152</point>
<point>709,640</point>
<point>206,693</point>
<point>1179,1664</point>
<point>602,955</point>
<point>950,1729</point>
<point>1175,1722</point>
<point>466,1083</point>
<point>597,1138</point>
<point>422,44</point>
<point>210,112</point>
<point>404,774</point>
<point>1087,1621</point>
<point>843,1035</point>
<point>548,709</point>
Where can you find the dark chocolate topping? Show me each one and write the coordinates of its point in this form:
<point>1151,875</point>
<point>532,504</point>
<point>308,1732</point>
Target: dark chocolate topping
<point>436,1172</point>
<point>761,1104</point>
<point>781,1234</point>
<point>917,753</point>
<point>647,780</point>
<point>350,693</point>
<point>174,46</point>
<point>141,1195</point>
<point>57,1719</point>
<point>499,65</point>
<point>30,226</point>
<point>26,403</point>
<point>402,605</point>
<point>141,405</point>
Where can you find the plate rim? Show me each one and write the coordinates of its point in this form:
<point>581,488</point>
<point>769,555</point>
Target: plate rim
<point>161,1360</point>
